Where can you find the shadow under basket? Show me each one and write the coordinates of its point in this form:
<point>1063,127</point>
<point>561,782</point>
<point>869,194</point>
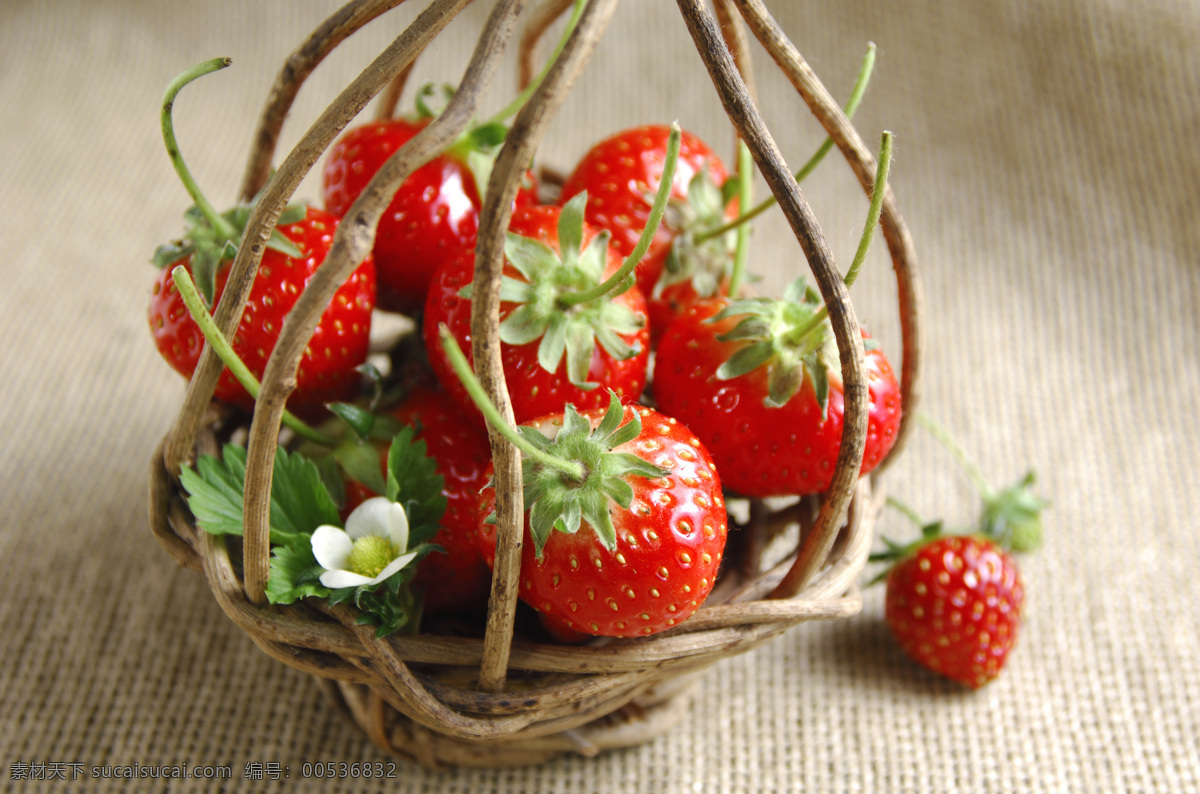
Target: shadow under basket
<point>492,696</point>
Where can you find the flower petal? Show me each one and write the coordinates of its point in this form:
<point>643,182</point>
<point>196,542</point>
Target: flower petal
<point>331,546</point>
<point>393,566</point>
<point>335,580</point>
<point>398,527</point>
<point>369,518</point>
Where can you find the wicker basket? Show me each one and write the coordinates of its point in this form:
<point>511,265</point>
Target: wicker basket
<point>497,699</point>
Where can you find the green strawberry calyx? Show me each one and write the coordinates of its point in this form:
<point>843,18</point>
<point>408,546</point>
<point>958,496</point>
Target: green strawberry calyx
<point>790,337</point>
<point>211,237</point>
<point>571,478</point>
<point>559,502</point>
<point>544,309</point>
<point>696,256</point>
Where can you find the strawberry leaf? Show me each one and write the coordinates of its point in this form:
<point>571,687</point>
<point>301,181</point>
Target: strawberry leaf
<point>413,481</point>
<point>295,574</point>
<point>361,463</point>
<point>300,501</point>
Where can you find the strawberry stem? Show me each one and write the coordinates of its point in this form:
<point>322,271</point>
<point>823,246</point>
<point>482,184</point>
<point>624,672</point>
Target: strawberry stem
<point>618,279</point>
<point>946,440</point>
<point>745,169</point>
<point>462,368</point>
<point>519,101</point>
<point>878,190</point>
<point>219,224</point>
<point>856,95</point>
<point>220,345</point>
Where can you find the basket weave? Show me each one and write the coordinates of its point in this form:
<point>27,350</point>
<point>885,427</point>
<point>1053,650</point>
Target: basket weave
<point>499,699</point>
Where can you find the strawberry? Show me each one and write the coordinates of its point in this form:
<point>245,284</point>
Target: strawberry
<point>339,344</point>
<point>434,214</point>
<point>297,247</point>
<point>620,175</point>
<point>954,605</point>
<point>456,579</point>
<point>548,343</point>
<point>758,381</point>
<point>635,547</point>
<point>954,600</point>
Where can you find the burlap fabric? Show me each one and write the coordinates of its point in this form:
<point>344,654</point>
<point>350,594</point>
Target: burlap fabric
<point>1047,165</point>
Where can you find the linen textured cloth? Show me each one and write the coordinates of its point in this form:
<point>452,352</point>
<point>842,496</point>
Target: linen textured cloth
<point>1047,165</point>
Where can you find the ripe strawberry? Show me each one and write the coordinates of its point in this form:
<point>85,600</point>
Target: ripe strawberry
<point>297,247</point>
<point>954,605</point>
<point>339,344</point>
<point>621,175</point>
<point>434,214</point>
<point>549,346</point>
<point>635,548</point>
<point>765,395</point>
<point>458,578</point>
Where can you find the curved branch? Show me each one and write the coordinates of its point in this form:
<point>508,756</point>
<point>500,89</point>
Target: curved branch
<point>276,194</point>
<point>516,155</point>
<point>351,244</point>
<point>299,65</point>
<point>745,116</point>
<point>858,155</point>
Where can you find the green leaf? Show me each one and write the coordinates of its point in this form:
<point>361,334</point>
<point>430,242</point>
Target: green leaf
<point>488,136</point>
<point>612,418</point>
<point>554,343</point>
<point>595,511</point>
<point>529,256</point>
<point>204,273</point>
<point>535,437</point>
<point>413,481</point>
<point>796,291</point>
<point>594,259</point>
<point>730,190</point>
<point>756,306</point>
<point>751,327</point>
<point>523,325</point>
<point>620,491</point>
<point>481,164</point>
<point>300,501</point>
<point>294,574</point>
<point>360,420</point>
<point>619,464</point>
<point>581,345</point>
<point>361,463</point>
<point>215,491</point>
<point>570,227</point>
<point>573,423</point>
<point>746,360</point>
<point>512,290</point>
<point>279,242</point>
<point>292,213</point>
<point>170,253</point>
<point>331,476</point>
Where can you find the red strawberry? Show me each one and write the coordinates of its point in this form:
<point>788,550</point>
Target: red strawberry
<point>635,548</point>
<point>433,215</point>
<point>297,247</point>
<point>549,347</point>
<point>621,175</point>
<point>765,395</point>
<point>457,579</point>
<point>954,605</point>
<point>327,370</point>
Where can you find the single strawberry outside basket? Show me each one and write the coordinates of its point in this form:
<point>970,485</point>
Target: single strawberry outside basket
<point>496,699</point>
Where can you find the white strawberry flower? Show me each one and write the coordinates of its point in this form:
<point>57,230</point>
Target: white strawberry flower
<point>372,547</point>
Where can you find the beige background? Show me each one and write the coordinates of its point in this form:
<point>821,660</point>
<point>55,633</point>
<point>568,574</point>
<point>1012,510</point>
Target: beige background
<point>1047,164</point>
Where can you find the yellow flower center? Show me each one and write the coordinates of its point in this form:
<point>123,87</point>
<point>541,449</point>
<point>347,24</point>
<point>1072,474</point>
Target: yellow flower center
<point>370,555</point>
